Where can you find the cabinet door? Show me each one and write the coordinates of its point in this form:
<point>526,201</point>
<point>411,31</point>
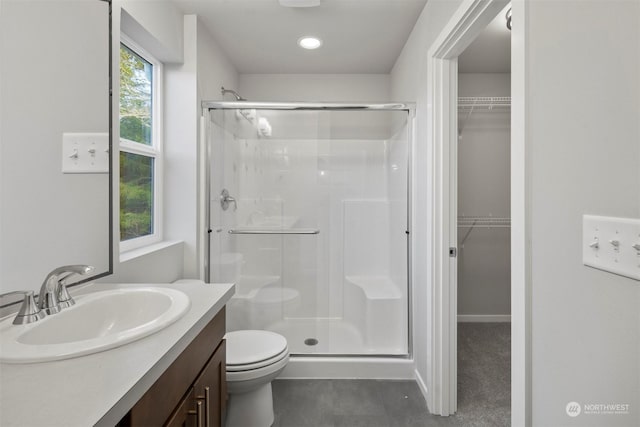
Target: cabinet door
<point>211,387</point>
<point>159,402</point>
<point>189,413</point>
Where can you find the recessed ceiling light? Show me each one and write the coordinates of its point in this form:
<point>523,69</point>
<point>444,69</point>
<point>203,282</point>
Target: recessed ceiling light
<point>309,42</point>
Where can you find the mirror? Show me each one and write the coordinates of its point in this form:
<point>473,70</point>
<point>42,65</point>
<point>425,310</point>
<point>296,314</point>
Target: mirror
<point>55,173</point>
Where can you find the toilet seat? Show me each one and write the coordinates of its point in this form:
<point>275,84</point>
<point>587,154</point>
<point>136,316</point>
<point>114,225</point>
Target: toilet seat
<point>267,372</point>
<point>253,349</point>
<point>258,365</point>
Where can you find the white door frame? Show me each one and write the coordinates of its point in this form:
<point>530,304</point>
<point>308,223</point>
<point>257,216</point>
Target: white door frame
<point>442,92</point>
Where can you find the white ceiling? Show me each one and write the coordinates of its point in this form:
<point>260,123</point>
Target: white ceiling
<point>260,36</point>
<point>490,52</point>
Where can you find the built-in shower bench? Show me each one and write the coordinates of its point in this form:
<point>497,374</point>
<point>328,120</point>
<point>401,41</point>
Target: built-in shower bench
<point>376,306</point>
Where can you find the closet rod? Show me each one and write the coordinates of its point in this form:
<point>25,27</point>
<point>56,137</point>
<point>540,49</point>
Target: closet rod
<point>472,222</point>
<point>489,102</point>
<point>483,221</point>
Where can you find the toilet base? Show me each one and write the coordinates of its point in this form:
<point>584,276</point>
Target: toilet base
<point>251,409</point>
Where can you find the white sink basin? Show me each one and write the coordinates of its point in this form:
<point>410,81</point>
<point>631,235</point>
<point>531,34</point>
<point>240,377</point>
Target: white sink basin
<point>98,321</point>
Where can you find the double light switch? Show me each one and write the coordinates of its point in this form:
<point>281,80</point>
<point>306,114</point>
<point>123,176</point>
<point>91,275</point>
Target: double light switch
<point>612,244</point>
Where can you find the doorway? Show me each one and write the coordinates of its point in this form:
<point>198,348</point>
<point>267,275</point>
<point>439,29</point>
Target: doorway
<point>483,242</point>
<point>467,23</point>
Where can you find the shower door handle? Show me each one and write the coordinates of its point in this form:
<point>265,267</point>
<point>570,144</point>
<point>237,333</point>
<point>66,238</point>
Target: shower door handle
<point>290,231</point>
<point>226,199</point>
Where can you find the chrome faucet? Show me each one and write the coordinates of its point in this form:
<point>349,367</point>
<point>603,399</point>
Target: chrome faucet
<point>53,295</point>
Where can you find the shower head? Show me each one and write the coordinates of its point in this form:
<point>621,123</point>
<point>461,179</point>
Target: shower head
<point>233,92</point>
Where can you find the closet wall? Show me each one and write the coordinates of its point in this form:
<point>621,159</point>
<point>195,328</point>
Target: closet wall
<point>484,285</point>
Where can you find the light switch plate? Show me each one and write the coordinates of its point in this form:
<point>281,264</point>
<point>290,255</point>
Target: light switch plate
<point>612,244</point>
<point>85,152</point>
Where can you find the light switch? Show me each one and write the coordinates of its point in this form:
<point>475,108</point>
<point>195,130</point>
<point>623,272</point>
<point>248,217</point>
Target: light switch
<point>612,244</point>
<point>85,152</point>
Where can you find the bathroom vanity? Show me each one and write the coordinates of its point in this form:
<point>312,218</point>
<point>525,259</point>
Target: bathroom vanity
<point>175,376</point>
<point>192,388</point>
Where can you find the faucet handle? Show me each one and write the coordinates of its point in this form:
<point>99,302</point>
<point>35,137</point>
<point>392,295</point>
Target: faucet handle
<point>29,311</point>
<point>48,301</point>
<point>64,299</point>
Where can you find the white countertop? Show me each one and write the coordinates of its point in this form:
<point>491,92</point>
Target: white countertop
<point>99,389</point>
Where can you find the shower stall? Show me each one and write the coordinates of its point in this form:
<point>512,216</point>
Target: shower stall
<point>309,217</point>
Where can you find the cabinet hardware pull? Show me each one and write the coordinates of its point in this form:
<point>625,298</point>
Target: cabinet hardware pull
<point>207,405</point>
<point>207,408</point>
<point>198,414</point>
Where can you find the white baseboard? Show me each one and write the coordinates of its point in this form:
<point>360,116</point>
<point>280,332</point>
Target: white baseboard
<point>421,385</point>
<point>484,318</point>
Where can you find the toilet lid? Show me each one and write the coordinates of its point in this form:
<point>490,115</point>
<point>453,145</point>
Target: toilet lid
<point>251,347</point>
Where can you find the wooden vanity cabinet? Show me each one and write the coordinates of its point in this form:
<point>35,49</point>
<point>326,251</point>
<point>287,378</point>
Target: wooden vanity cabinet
<point>185,415</point>
<point>193,390</point>
<point>211,388</point>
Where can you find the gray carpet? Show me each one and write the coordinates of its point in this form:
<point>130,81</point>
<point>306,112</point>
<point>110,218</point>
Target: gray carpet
<point>483,391</point>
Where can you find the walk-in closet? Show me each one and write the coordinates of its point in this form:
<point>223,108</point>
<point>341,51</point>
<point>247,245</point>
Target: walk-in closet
<point>484,221</point>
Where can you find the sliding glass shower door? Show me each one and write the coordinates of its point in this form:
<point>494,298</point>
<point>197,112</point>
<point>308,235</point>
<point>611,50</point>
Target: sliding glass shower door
<point>308,216</point>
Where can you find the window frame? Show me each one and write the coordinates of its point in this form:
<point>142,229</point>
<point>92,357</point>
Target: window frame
<point>154,151</point>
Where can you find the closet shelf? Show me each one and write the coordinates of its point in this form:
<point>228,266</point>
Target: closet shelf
<point>468,104</point>
<point>471,103</point>
<point>483,221</point>
<point>472,222</point>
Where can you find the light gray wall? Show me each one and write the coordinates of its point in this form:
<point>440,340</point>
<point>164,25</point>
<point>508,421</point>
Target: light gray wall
<point>408,83</point>
<point>584,115</point>
<point>52,82</point>
<point>315,87</point>
<point>215,69</point>
<point>159,27</point>
<point>484,257</point>
<point>205,68</point>
<point>484,84</point>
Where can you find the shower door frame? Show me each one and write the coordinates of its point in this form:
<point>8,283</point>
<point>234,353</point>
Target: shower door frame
<point>205,163</point>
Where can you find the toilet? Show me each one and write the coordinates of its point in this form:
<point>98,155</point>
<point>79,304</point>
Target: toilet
<point>254,359</point>
<point>268,305</point>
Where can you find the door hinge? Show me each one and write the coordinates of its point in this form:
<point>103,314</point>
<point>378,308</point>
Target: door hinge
<point>453,252</point>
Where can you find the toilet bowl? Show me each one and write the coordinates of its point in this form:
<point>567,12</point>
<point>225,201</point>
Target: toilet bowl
<point>270,305</point>
<point>254,359</point>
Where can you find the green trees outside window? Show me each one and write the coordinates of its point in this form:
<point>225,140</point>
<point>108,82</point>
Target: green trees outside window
<point>136,196</point>
<point>136,97</point>
<point>136,124</point>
